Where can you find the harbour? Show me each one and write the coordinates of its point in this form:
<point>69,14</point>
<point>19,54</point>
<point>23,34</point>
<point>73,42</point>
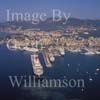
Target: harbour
<point>85,67</point>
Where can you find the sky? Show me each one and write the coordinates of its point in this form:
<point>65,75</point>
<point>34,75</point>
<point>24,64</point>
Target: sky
<point>87,9</point>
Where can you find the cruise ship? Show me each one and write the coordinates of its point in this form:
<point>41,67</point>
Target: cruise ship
<point>75,50</point>
<point>51,57</point>
<point>89,53</point>
<point>62,51</point>
<point>97,52</point>
<point>30,49</point>
<point>37,67</point>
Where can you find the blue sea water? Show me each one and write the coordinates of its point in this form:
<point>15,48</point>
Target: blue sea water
<point>71,65</point>
<point>19,63</point>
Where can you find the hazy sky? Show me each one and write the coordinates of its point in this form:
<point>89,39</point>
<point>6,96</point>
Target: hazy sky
<point>77,8</point>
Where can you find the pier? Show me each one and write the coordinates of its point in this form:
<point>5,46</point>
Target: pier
<point>46,59</point>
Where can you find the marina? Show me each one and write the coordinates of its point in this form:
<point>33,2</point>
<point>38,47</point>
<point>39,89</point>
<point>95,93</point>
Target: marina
<point>48,55</point>
<point>88,68</point>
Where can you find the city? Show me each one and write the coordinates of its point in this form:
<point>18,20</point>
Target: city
<point>52,43</point>
<point>50,49</point>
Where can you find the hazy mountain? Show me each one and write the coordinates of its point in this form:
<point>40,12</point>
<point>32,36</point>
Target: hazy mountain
<point>49,24</point>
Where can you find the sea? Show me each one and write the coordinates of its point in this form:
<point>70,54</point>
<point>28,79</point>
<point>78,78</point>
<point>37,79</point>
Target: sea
<point>69,66</point>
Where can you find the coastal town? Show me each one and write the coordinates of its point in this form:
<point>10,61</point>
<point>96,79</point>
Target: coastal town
<point>57,40</point>
<point>51,43</point>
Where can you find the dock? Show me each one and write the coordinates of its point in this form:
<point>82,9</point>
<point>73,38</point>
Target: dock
<point>46,59</point>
